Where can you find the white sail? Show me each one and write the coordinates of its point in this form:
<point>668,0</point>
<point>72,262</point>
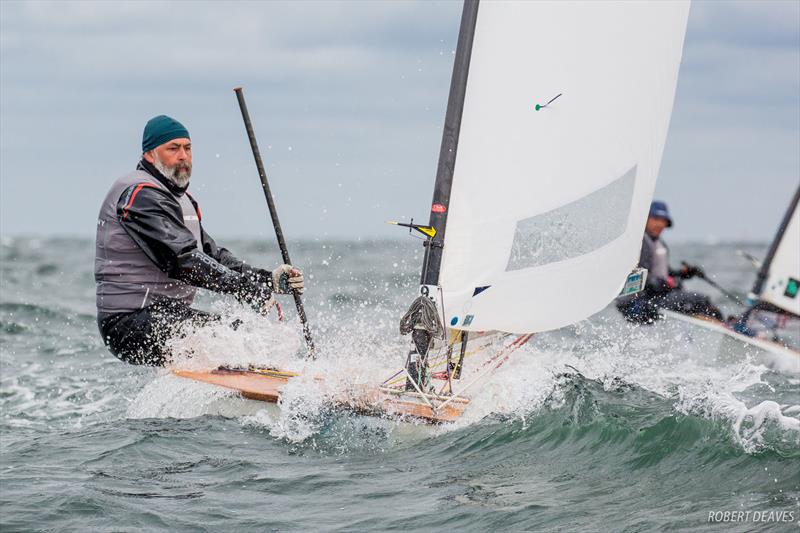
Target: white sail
<point>780,287</point>
<point>548,207</point>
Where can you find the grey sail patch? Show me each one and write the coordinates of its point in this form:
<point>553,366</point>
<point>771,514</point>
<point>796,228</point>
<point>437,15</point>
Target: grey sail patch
<point>574,229</point>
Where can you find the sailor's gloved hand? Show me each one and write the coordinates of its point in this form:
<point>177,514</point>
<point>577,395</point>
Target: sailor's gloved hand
<point>286,279</point>
<point>691,271</point>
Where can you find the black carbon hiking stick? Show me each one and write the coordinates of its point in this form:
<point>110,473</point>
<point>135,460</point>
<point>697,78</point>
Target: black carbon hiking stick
<point>274,214</point>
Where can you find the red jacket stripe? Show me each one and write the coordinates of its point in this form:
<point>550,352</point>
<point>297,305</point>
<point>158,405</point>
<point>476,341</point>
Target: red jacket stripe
<point>133,196</point>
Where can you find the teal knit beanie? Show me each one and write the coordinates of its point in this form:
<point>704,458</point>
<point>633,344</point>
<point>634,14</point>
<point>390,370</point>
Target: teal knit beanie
<point>161,129</point>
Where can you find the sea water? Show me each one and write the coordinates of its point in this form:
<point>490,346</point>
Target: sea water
<point>601,426</point>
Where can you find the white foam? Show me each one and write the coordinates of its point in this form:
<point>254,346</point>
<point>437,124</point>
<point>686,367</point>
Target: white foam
<point>666,361</point>
<point>344,365</point>
<point>300,410</point>
<point>256,340</point>
<point>755,428</point>
<point>663,361</point>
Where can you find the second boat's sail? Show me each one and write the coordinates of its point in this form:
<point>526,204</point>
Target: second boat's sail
<point>778,282</point>
<point>548,201</point>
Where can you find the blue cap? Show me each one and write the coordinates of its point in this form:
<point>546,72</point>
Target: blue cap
<point>660,210</point>
<point>161,129</point>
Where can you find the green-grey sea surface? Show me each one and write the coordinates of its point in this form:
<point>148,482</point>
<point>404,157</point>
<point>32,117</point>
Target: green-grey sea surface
<point>601,426</point>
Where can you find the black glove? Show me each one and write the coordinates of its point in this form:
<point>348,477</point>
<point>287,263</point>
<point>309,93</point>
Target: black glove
<point>691,271</point>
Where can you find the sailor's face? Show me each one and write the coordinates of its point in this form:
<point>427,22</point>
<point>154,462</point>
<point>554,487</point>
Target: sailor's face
<point>175,152</point>
<point>655,225</point>
<point>174,160</point>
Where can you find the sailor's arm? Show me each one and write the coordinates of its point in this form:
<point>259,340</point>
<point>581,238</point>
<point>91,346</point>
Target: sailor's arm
<point>155,222</point>
<point>282,280</point>
<point>225,257</point>
<point>280,277</point>
<point>688,271</point>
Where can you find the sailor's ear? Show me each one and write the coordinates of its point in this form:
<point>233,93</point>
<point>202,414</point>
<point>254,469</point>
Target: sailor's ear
<point>148,156</point>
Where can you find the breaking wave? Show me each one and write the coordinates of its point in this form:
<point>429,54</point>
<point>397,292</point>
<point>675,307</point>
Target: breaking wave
<point>591,387</point>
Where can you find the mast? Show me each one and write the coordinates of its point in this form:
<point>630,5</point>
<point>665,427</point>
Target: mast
<point>447,153</point>
<point>763,273</point>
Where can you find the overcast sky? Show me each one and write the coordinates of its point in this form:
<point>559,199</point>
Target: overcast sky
<point>348,102</point>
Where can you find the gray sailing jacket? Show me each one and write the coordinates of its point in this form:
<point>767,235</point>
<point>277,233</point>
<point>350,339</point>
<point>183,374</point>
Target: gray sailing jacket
<point>655,258</point>
<point>151,244</point>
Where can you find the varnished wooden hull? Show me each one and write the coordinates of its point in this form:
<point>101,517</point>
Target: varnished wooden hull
<point>266,386</point>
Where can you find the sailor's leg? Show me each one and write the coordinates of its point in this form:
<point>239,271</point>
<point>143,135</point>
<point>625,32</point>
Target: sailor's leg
<point>691,303</point>
<point>132,338</point>
<point>639,310</point>
<point>140,337</point>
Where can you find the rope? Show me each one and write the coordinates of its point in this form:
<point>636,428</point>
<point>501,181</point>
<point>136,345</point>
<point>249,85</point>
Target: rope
<point>422,314</point>
<point>437,362</point>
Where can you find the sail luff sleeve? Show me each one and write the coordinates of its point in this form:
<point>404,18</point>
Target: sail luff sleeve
<point>447,153</point>
<point>763,273</point>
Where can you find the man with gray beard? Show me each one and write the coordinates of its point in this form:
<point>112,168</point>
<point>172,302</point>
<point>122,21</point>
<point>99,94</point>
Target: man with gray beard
<point>152,254</point>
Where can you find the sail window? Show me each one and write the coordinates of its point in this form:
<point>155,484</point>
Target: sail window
<point>792,288</point>
<point>574,229</point>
